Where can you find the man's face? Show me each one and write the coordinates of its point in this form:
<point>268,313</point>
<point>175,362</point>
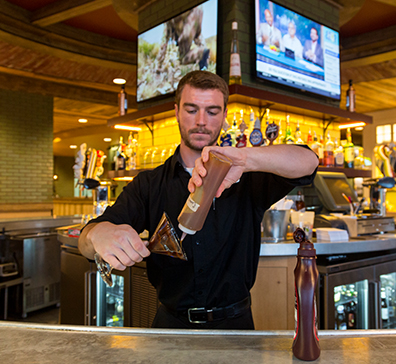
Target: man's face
<point>314,35</point>
<point>268,17</point>
<point>291,29</point>
<point>200,116</point>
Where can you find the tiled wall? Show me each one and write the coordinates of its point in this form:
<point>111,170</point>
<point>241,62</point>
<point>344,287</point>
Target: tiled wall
<point>26,155</point>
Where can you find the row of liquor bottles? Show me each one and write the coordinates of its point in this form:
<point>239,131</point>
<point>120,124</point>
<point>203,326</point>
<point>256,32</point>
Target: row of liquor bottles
<point>331,153</point>
<point>132,156</point>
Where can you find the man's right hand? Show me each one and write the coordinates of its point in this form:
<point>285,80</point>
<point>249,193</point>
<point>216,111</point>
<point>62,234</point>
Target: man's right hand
<point>118,245</point>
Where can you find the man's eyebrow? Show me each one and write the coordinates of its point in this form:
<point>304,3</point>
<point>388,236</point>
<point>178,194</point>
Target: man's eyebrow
<point>190,104</point>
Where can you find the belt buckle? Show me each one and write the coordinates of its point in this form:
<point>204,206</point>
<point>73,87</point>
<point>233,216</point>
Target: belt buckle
<point>196,315</point>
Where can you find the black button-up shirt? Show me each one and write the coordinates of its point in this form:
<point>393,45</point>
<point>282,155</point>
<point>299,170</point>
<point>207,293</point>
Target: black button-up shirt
<point>223,256</point>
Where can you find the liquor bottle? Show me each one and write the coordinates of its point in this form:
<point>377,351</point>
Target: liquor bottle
<point>241,139</point>
<point>122,101</point>
<point>267,118</point>
<point>225,138</point>
<point>280,135</point>
<point>235,60</point>
<point>256,136</point>
<point>328,155</point>
<point>196,208</point>
<point>351,315</point>
<point>289,138</point>
<point>359,163</point>
<point>338,154</point>
<point>234,130</point>
<point>349,151</point>
<point>317,147</point>
<point>131,152</point>
<point>309,138</point>
<point>305,342</point>
<point>298,134</point>
<point>350,97</point>
<point>120,156</point>
<point>300,204</point>
<point>384,307</point>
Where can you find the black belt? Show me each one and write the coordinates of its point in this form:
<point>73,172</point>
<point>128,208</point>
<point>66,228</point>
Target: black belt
<point>202,315</point>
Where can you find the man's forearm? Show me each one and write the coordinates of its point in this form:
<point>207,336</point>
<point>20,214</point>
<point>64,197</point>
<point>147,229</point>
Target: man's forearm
<point>289,161</point>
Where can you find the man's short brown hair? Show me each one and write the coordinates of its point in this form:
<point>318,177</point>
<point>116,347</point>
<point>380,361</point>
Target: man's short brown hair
<point>203,80</point>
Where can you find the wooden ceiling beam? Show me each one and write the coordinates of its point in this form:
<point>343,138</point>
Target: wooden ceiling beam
<point>59,89</point>
<point>60,41</point>
<point>369,48</point>
<point>66,9</point>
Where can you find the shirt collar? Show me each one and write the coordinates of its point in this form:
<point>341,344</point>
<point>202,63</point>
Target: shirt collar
<point>176,162</point>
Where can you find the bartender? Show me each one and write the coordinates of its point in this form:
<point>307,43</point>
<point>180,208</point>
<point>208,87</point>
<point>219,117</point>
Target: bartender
<point>211,289</point>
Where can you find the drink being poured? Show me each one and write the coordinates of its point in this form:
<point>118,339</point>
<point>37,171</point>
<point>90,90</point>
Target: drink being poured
<point>164,241</point>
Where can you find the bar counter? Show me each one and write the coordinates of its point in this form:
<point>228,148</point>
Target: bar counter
<point>39,343</point>
<point>364,243</point>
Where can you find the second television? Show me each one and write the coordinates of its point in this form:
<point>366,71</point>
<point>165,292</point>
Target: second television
<point>167,52</point>
<point>296,51</point>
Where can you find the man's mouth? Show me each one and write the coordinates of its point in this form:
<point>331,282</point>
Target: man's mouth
<point>199,131</point>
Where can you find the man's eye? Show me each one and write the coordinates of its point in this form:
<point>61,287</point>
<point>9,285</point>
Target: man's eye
<point>191,111</point>
<point>213,113</point>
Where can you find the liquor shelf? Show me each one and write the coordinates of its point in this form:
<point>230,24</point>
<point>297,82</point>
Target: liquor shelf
<point>349,172</point>
<point>124,173</point>
<point>254,97</point>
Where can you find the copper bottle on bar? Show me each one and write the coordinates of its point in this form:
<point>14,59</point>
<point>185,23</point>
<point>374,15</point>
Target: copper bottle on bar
<point>305,342</point>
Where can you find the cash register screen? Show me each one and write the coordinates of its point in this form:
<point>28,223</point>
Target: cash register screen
<point>330,187</point>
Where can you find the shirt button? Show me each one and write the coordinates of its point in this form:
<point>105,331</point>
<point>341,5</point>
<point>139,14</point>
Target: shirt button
<point>197,242</point>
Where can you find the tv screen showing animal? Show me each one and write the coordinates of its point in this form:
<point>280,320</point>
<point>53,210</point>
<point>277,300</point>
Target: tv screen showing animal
<point>170,50</point>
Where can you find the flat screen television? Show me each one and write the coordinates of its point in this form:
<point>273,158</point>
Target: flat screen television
<point>330,186</point>
<point>295,51</point>
<point>170,50</point>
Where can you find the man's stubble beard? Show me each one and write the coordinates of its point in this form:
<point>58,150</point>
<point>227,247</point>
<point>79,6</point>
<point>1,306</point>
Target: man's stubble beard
<point>185,136</point>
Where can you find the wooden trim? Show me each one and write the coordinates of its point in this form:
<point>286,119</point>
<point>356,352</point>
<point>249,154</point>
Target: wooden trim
<point>349,172</point>
<point>256,97</point>
<point>28,207</point>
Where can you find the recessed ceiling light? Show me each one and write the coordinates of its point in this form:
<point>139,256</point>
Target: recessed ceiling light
<point>119,81</point>
<point>82,120</point>
<point>108,140</point>
<point>73,146</point>
<point>57,140</point>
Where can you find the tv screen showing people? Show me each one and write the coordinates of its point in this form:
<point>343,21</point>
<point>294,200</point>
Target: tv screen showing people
<point>167,52</point>
<point>296,51</point>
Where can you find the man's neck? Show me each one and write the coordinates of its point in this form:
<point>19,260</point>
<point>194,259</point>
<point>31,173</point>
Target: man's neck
<point>188,156</point>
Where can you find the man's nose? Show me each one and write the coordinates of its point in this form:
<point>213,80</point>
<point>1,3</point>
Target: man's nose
<point>201,117</point>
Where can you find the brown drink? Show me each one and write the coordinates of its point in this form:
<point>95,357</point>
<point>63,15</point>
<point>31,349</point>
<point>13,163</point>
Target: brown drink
<point>165,240</point>
<point>196,208</point>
